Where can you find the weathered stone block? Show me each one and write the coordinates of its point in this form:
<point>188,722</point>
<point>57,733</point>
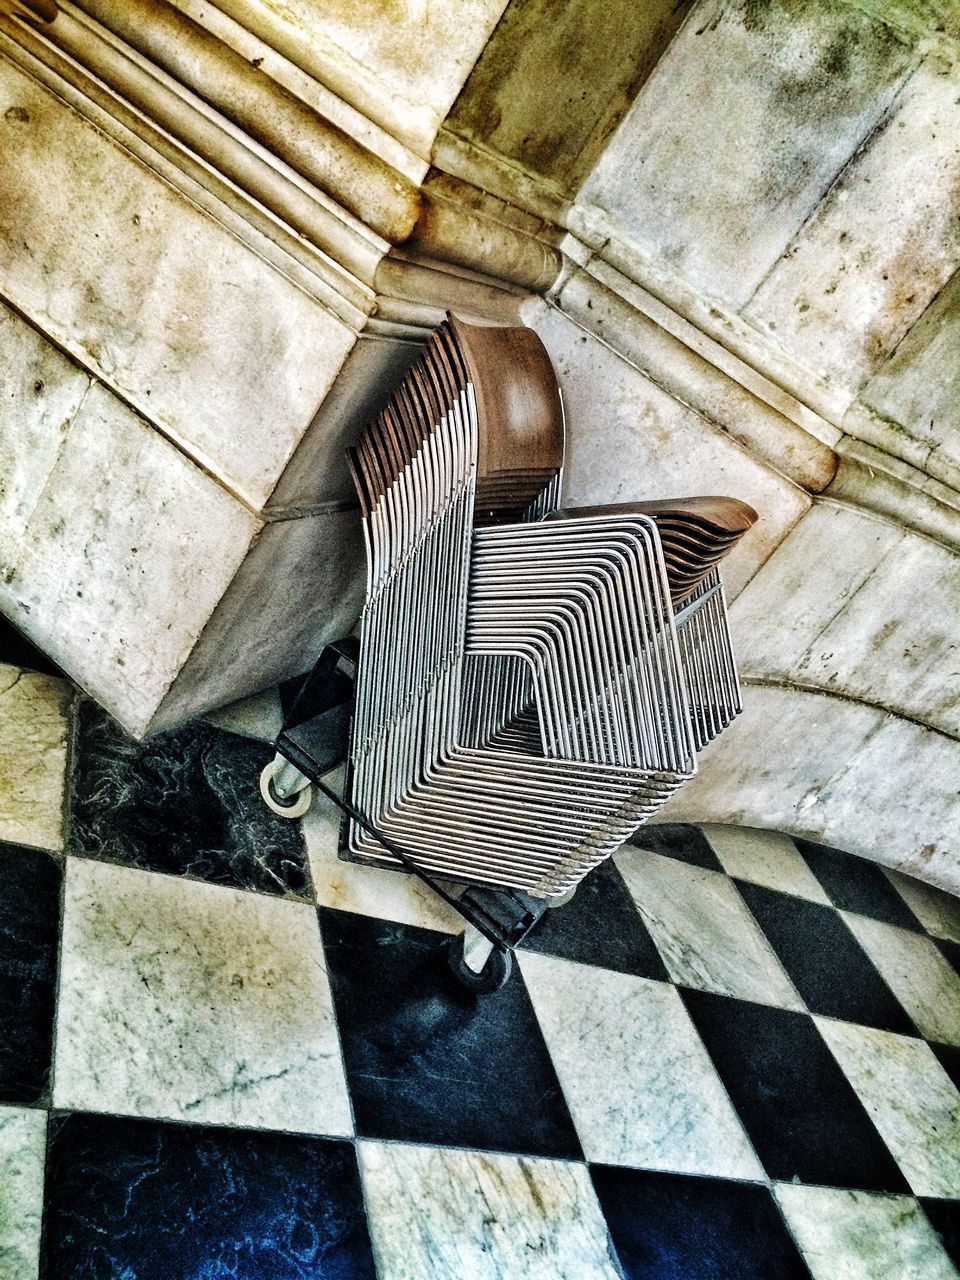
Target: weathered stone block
<point>128,549</point>
<point>880,247</point>
<point>215,346</point>
<point>749,116</point>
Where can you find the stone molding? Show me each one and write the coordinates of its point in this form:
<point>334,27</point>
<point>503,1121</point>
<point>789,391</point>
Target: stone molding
<point>387,246</point>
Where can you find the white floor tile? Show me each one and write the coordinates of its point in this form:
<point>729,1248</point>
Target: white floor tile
<point>917,973</point>
<point>33,757</point>
<point>703,930</point>
<point>938,912</point>
<point>639,1083</point>
<point>856,1235</point>
<point>368,891</point>
<point>23,1140</point>
<point>475,1216</point>
<point>189,1001</point>
<point>765,857</point>
<point>910,1099</point>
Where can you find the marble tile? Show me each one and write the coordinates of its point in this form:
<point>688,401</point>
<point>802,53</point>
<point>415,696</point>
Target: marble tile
<point>938,912</point>
<point>255,717</point>
<point>706,935</point>
<point>367,891</point>
<point>944,1217</point>
<point>187,1001</point>
<point>917,973</point>
<point>856,1235</point>
<point>764,857</point>
<point>639,1084</point>
<point>487,1217</point>
<point>29,927</point>
<point>680,841</point>
<point>800,1112</point>
<point>431,1063</point>
<point>948,1055</point>
<point>134,1198</point>
<point>666,1227</point>
<point>185,802</point>
<point>599,926</point>
<point>855,884</point>
<point>825,962</point>
<point>34,726</point>
<point>23,1141</point>
<point>910,1098</point>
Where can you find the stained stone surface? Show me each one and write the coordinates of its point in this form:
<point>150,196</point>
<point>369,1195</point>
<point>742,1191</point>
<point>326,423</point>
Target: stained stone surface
<point>915,394</point>
<point>40,391</point>
<point>759,148</point>
<point>186,802</point>
<point>853,1235</point>
<point>135,1198</point>
<point>22,1149</point>
<point>490,1217</point>
<point>849,631</point>
<point>29,927</point>
<point>187,1001</point>
<point>33,756</point>
<point>198,339</point>
<point>125,556</point>
<point>641,1089</point>
<point>764,857</point>
<point>913,967</point>
<point>706,935</point>
<point>858,788</point>
<point>880,246</point>
<point>910,1098</point>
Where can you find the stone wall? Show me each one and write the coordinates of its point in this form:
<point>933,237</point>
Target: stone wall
<point>225,229</point>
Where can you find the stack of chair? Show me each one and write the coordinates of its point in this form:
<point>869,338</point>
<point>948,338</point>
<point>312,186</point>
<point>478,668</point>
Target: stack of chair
<point>534,683</point>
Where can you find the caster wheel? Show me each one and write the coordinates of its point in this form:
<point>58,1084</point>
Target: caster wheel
<point>561,900</point>
<point>294,806</point>
<point>491,977</point>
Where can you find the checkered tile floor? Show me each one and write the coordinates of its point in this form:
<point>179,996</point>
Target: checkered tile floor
<point>226,1053</point>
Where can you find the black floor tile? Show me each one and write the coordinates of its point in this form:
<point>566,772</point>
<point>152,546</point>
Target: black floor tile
<point>951,950</point>
<point>686,844</point>
<point>17,650</point>
<point>948,1055</point>
<point>29,927</point>
<point>599,926</point>
<point>944,1217</point>
<point>427,1061</point>
<point>186,802</point>
<point>800,1112</point>
<point>670,1227</point>
<point>826,963</point>
<point>857,885</point>
<point>141,1200</point>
